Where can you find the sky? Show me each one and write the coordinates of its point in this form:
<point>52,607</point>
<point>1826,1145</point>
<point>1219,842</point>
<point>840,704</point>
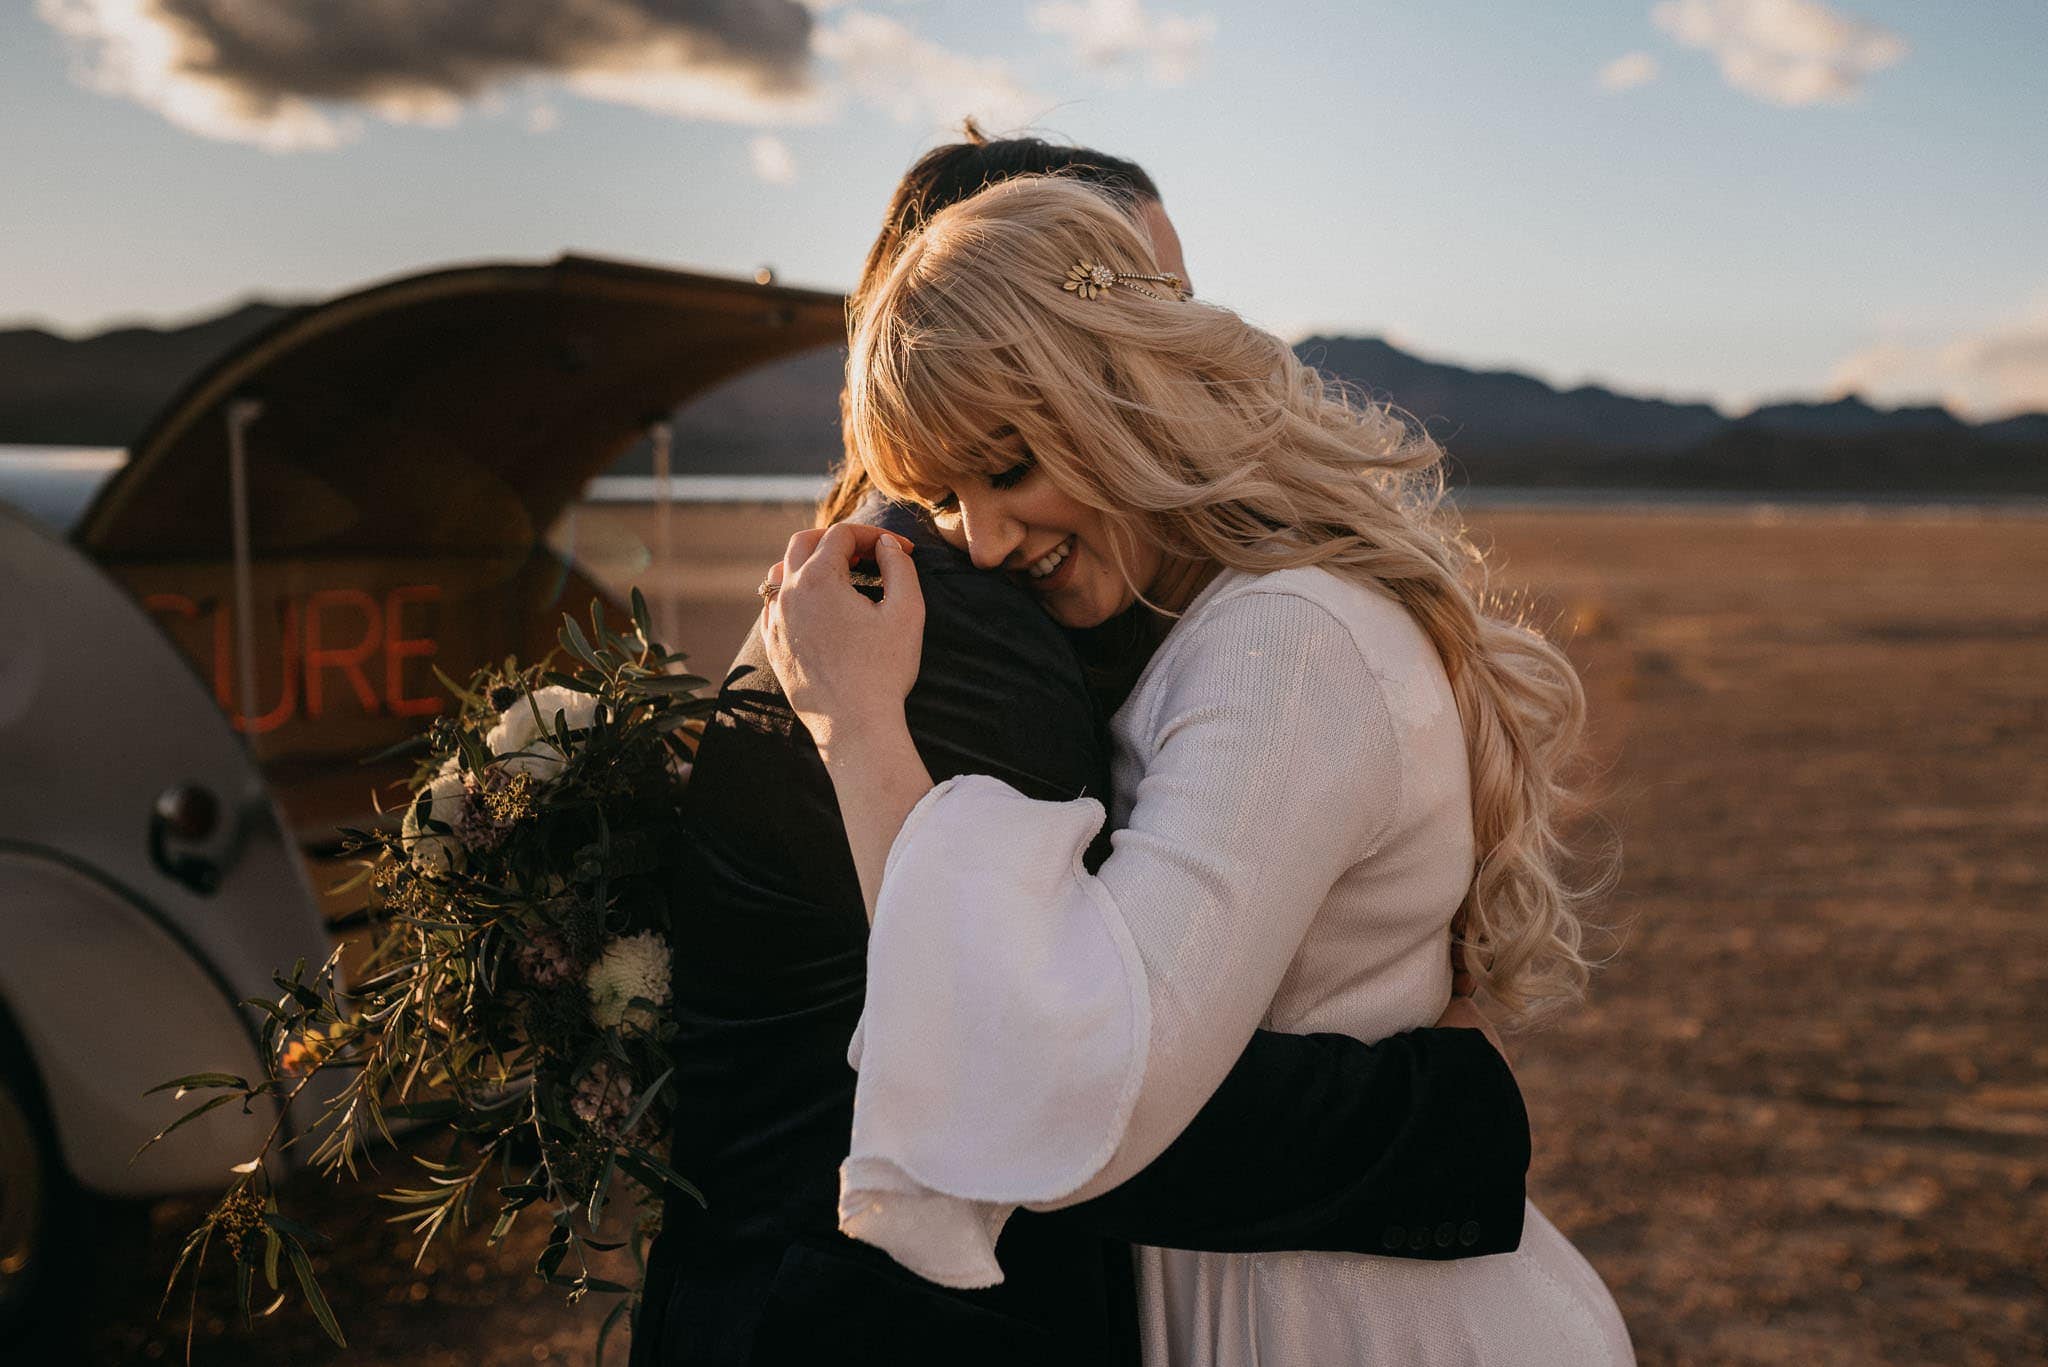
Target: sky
<point>1729,200</point>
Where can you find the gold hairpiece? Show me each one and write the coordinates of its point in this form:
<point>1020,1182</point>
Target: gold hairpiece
<point>1089,280</point>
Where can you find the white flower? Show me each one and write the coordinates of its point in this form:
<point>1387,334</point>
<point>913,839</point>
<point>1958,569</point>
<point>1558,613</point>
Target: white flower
<point>517,731</point>
<point>541,763</point>
<point>630,966</point>
<point>436,851</point>
<point>514,729</point>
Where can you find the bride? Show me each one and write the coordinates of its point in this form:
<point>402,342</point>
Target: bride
<point>1332,758</point>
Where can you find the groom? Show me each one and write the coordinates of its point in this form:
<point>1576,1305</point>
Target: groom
<point>1414,1147</point>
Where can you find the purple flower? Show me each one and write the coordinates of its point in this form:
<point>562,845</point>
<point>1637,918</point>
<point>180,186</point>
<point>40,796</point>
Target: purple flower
<point>545,960</point>
<point>601,1100</point>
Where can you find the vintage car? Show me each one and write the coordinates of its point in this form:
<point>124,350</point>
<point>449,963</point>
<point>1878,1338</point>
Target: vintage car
<point>255,601</point>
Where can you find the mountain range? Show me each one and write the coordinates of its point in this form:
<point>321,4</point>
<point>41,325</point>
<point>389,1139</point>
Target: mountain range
<point>1500,426</point>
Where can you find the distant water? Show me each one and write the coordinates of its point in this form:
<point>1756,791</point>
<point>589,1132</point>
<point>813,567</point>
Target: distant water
<point>1758,503</point>
<point>707,488</point>
<point>807,488</point>
<point>56,484</point>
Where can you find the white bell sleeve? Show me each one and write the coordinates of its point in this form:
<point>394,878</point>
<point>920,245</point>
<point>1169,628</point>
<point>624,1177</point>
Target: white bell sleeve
<point>1033,1034</point>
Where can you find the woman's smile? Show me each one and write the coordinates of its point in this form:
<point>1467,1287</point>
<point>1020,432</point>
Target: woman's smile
<point>1047,543</point>
<point>1053,570</point>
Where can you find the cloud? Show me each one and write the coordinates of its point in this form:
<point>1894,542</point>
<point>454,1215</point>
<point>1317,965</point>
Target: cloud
<point>709,95</point>
<point>1988,374</point>
<point>1628,71</point>
<point>1116,35</point>
<point>914,80</point>
<point>770,158</point>
<point>858,55</point>
<point>1789,52</point>
<point>291,76</point>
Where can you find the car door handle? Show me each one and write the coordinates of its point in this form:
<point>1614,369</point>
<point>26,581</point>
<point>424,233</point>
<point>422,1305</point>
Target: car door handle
<point>187,812</point>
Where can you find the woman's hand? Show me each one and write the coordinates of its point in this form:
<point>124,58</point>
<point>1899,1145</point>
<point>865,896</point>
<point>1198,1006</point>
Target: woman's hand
<point>846,663</point>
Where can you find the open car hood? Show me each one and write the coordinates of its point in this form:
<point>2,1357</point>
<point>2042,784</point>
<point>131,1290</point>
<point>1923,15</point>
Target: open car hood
<point>415,443</point>
<point>456,411</point>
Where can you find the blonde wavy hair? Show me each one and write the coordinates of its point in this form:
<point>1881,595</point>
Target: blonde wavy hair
<point>1190,427</point>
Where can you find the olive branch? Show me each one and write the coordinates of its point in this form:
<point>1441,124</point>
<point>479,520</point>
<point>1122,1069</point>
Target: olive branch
<point>471,1019</point>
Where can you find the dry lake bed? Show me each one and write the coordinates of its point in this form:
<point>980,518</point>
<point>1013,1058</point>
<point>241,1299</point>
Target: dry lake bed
<point>1804,1117</point>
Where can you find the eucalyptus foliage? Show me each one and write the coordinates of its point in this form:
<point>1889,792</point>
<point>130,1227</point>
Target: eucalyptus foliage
<point>510,1002</point>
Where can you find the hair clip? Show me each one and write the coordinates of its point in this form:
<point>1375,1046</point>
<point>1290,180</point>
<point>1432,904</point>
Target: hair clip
<point>1089,280</point>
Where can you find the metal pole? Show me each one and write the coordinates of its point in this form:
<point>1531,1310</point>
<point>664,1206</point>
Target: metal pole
<point>241,413</point>
<point>663,435</point>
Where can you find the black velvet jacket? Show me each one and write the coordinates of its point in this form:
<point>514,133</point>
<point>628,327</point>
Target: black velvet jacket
<point>1414,1147</point>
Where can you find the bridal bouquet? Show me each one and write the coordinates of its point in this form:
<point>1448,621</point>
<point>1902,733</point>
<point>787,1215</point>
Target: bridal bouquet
<point>511,1000</point>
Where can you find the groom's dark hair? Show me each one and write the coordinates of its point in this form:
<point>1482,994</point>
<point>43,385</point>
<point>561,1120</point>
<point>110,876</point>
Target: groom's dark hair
<point>943,177</point>
<point>946,175</point>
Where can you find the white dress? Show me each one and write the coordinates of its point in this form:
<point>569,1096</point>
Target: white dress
<point>1293,836</point>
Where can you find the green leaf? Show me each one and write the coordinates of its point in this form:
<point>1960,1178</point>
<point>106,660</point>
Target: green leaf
<point>417,741</point>
<point>473,753</point>
<point>550,1259</point>
<point>292,1229</point>
<point>573,639</point>
<point>655,1173</point>
<point>192,1081</point>
<point>196,1241</point>
<point>646,1097</point>
<point>245,1283</point>
<point>189,1116</point>
<point>675,713</point>
<point>272,1246</point>
<point>618,1312</point>
<point>356,879</point>
<point>316,1298</point>
<point>640,615</point>
<point>669,685</point>
<point>462,695</point>
<point>615,643</point>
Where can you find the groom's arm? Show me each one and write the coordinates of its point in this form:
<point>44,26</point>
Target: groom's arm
<point>1415,1147</point>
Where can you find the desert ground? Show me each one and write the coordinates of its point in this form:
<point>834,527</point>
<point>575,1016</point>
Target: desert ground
<point>1803,1117</point>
